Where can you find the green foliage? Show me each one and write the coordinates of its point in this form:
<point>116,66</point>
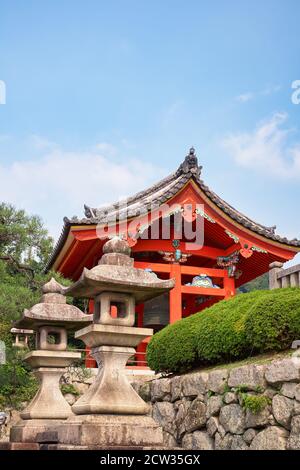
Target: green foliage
<point>226,389</point>
<point>260,283</point>
<point>25,245</point>
<point>79,372</point>
<point>69,388</point>
<point>241,388</point>
<point>14,297</point>
<point>23,236</point>
<point>5,334</point>
<point>254,403</point>
<point>17,293</point>
<point>275,321</point>
<point>17,383</point>
<point>174,348</point>
<point>229,330</point>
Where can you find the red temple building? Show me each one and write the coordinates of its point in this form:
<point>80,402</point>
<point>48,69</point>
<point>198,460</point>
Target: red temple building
<point>234,251</point>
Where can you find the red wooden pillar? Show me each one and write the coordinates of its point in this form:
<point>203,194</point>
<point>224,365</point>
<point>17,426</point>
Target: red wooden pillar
<point>113,311</point>
<point>89,361</point>
<point>229,286</point>
<point>175,294</point>
<point>141,349</point>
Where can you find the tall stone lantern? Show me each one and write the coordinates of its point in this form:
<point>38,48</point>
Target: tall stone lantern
<point>50,319</point>
<point>111,412</point>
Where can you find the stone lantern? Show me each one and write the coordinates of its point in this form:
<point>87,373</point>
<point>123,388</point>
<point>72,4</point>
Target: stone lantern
<point>21,337</point>
<point>50,319</point>
<point>111,412</point>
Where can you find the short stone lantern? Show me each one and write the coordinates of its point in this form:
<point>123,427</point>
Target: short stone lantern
<point>21,337</point>
<point>50,319</point>
<point>111,412</point>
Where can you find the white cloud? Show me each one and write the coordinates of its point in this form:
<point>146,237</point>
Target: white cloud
<point>266,148</point>
<point>244,97</point>
<point>106,148</point>
<point>269,90</point>
<point>59,182</point>
<point>40,143</point>
<point>251,95</point>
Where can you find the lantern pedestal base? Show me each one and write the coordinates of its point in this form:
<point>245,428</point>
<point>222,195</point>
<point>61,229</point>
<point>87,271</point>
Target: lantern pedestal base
<point>35,430</point>
<point>49,403</point>
<point>103,431</point>
<point>111,391</point>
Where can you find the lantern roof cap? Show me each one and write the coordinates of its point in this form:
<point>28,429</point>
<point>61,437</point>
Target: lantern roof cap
<point>53,310</point>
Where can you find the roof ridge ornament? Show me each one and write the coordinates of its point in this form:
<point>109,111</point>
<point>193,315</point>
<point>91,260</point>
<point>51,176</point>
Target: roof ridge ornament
<point>88,211</point>
<point>190,164</point>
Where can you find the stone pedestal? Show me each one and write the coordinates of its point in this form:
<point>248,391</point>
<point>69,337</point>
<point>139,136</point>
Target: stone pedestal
<point>49,402</point>
<point>275,269</point>
<point>111,414</point>
<point>43,415</point>
<point>111,391</point>
<point>110,430</point>
<point>35,430</point>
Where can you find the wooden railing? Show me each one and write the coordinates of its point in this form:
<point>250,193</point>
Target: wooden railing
<point>138,360</point>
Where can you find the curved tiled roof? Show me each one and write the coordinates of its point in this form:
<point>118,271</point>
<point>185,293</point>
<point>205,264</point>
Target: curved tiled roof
<point>160,193</point>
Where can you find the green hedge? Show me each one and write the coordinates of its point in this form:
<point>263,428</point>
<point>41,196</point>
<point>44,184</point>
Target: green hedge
<point>229,330</point>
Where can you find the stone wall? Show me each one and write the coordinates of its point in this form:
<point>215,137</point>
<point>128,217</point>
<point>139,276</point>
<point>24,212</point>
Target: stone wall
<point>217,409</point>
<point>212,410</point>
<point>79,379</point>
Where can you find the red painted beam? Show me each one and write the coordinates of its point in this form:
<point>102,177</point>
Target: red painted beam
<point>166,245</point>
<point>203,291</point>
<point>156,267</point>
<point>97,247</point>
<point>68,255</point>
<point>84,235</point>
<point>195,270</point>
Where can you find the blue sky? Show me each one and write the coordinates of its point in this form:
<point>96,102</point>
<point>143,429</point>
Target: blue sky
<point>104,98</point>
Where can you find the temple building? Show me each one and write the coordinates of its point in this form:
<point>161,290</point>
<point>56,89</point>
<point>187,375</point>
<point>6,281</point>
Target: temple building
<point>233,249</point>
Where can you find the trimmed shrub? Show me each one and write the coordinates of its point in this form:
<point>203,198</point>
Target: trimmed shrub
<point>174,346</point>
<point>275,321</point>
<point>229,330</point>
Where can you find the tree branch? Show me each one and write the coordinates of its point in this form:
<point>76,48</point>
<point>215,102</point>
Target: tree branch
<point>19,266</point>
